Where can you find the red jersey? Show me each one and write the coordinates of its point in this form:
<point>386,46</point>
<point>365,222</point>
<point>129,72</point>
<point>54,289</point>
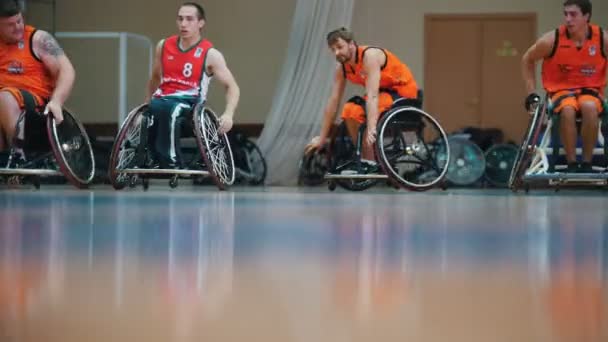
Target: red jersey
<point>183,71</point>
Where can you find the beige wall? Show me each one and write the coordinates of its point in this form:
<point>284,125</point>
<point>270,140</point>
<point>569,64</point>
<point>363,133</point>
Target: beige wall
<point>253,37</point>
<point>399,24</point>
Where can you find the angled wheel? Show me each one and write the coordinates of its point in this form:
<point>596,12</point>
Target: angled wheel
<point>342,157</point>
<point>248,159</point>
<point>412,148</point>
<point>527,147</point>
<point>125,148</point>
<point>72,149</point>
<point>214,147</point>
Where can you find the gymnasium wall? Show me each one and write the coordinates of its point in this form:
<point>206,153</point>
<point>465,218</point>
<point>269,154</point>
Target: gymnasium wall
<point>253,37</point>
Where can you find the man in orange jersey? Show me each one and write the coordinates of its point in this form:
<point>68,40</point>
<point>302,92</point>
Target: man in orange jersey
<point>573,75</point>
<point>384,77</point>
<point>34,71</point>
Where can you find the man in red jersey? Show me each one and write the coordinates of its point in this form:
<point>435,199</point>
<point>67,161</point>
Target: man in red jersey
<point>573,75</point>
<point>183,68</point>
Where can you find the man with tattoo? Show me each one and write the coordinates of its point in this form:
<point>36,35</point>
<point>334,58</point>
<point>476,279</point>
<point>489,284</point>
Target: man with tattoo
<point>384,77</point>
<point>34,72</point>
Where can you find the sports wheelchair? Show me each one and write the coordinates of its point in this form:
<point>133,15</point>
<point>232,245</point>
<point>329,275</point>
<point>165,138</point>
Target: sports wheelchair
<point>411,148</point>
<point>48,149</point>
<point>541,157</point>
<point>131,158</point>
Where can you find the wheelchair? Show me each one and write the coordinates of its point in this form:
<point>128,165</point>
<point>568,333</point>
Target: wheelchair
<point>541,157</point>
<point>51,150</point>
<point>411,147</point>
<point>250,164</point>
<point>131,157</point>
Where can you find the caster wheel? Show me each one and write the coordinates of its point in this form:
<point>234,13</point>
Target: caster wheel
<point>173,182</point>
<point>36,182</point>
<point>331,186</point>
<point>132,181</point>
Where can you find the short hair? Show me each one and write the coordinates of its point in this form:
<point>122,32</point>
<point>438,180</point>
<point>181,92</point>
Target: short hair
<point>341,33</point>
<point>199,9</point>
<point>585,5</point>
<point>10,8</point>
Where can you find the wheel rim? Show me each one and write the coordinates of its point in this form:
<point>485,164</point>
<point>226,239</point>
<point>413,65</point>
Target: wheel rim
<point>73,149</point>
<point>413,148</point>
<point>217,149</point>
<point>125,152</point>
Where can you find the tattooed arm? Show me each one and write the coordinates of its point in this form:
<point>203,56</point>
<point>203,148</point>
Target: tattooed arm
<point>59,66</point>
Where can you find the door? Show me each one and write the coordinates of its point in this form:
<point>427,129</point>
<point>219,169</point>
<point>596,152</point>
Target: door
<point>452,73</point>
<point>473,71</point>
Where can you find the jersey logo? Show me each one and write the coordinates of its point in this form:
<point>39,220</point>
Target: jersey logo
<point>15,67</point>
<point>170,57</point>
<point>565,68</point>
<point>592,50</point>
<point>21,45</point>
<point>198,53</point>
<point>588,70</point>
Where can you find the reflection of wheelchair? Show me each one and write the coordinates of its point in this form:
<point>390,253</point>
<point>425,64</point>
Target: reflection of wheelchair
<point>411,147</point>
<point>541,157</point>
<point>130,162</point>
<point>50,150</point>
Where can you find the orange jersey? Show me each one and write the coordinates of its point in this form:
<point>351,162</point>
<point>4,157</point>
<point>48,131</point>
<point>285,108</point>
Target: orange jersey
<point>20,68</point>
<point>569,67</point>
<point>394,73</point>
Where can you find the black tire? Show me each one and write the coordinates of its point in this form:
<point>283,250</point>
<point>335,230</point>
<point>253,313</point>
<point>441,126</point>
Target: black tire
<point>72,149</point>
<point>527,147</point>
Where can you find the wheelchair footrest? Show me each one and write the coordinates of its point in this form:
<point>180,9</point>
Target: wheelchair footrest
<point>164,172</point>
<point>30,172</point>
<point>564,176</point>
<point>356,176</point>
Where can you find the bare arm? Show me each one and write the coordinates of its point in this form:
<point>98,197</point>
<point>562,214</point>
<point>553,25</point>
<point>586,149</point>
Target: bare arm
<point>331,108</point>
<point>216,65</point>
<point>58,65</point>
<point>154,81</point>
<point>540,50</point>
<point>605,43</point>
<point>372,63</point>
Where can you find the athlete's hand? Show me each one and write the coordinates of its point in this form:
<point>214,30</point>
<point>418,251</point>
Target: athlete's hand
<point>56,110</point>
<point>313,145</point>
<point>225,124</point>
<point>371,135</point>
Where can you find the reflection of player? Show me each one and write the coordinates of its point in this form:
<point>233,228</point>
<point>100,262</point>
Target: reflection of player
<point>198,278</point>
<point>20,276</point>
<point>370,279</point>
<point>576,297</point>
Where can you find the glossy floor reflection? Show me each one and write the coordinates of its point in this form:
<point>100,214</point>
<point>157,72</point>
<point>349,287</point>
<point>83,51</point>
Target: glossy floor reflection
<point>296,266</point>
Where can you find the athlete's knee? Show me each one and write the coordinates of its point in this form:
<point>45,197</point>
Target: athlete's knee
<point>590,109</point>
<point>8,103</point>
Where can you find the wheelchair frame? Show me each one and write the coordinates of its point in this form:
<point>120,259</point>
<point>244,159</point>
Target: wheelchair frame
<point>209,141</point>
<point>56,156</point>
<point>537,158</point>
